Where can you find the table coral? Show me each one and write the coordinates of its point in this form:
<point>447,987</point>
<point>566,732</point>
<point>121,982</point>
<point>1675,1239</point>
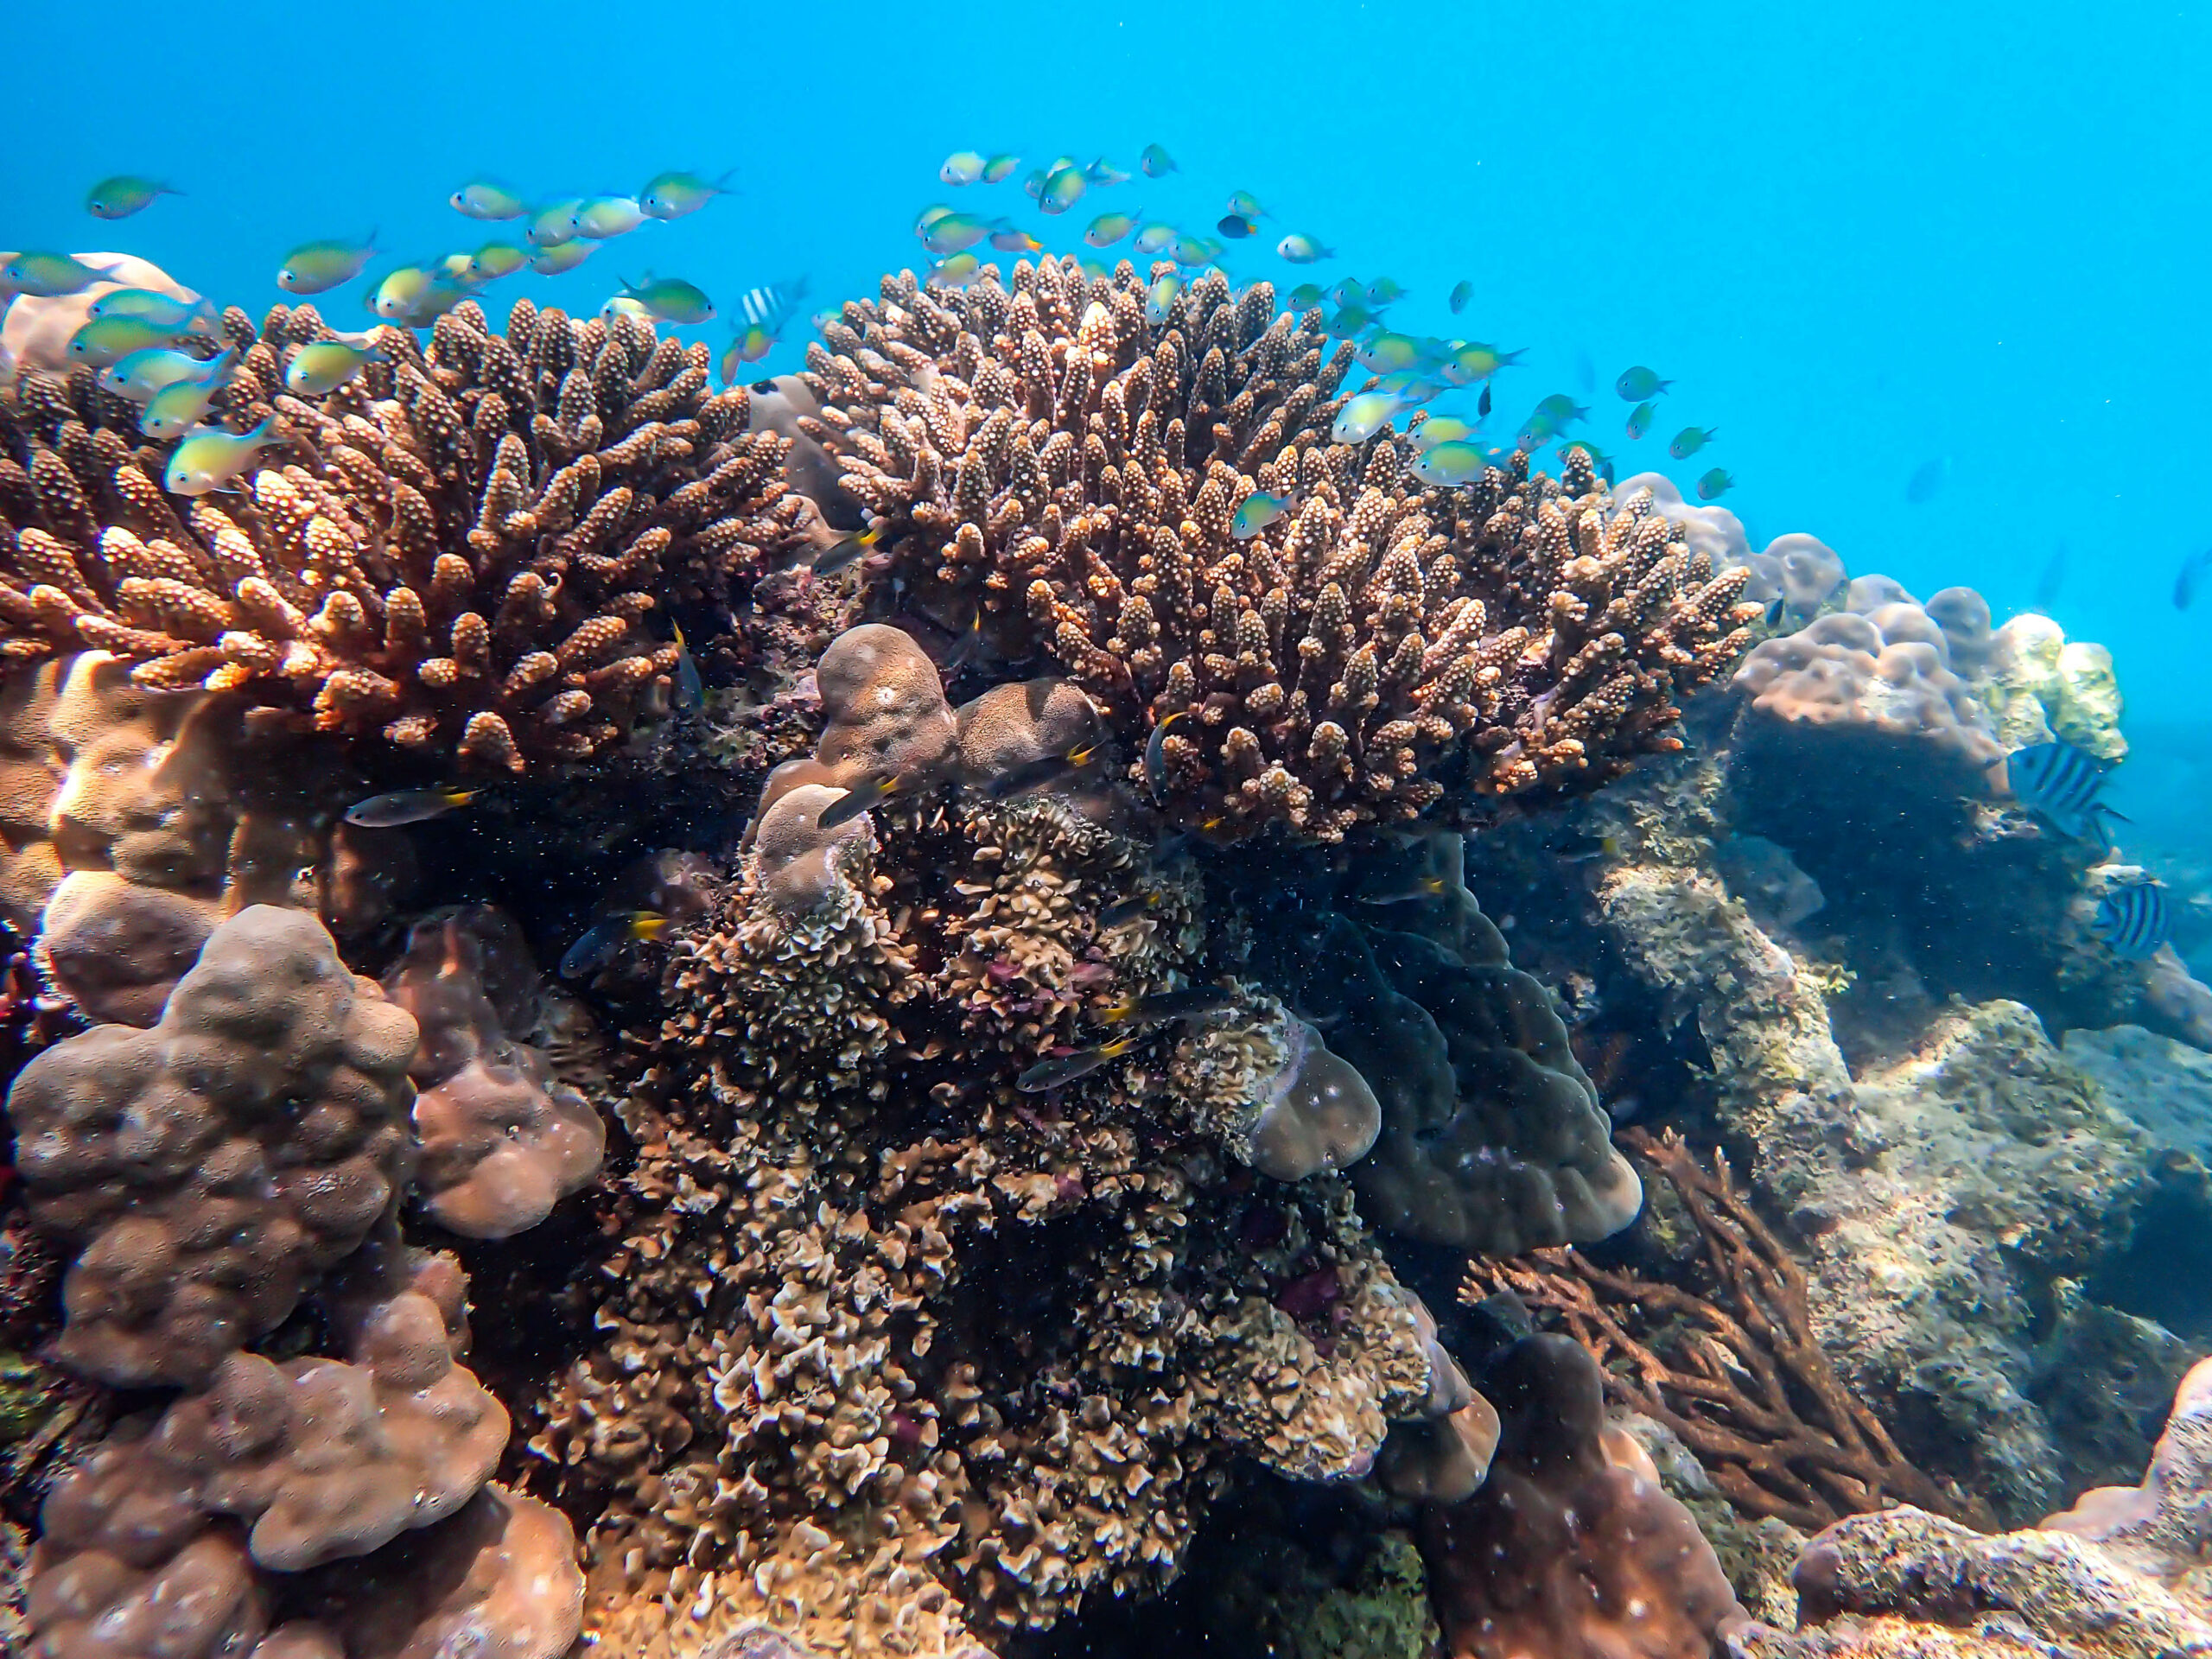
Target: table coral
<point>457,550</point>
<point>1061,475</point>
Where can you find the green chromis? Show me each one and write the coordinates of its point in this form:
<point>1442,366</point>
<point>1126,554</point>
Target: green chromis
<point>1448,464</point>
<point>1155,238</point>
<point>962,167</point>
<point>602,217</point>
<point>1714,485</point>
<point>483,199</point>
<point>1257,512</point>
<point>553,224</point>
<point>1461,293</point>
<point>1063,188</point>
<point>1306,296</point>
<point>551,262</point>
<point>672,299</point>
<point>123,195</point>
<point>496,259</point>
<point>1000,168</point>
<point>748,346</point>
<point>1159,298</point>
<point>1156,161</point>
<point>1441,429</point>
<point>1363,417</point>
<point>104,341</point>
<point>955,271</point>
<point>1245,205</point>
<point>956,232</point>
<point>1302,250</point>
<point>403,292</point>
<point>318,267</point>
<point>165,310</point>
<point>141,374</point>
<point>1639,382</point>
<point>1349,322</point>
<point>623,306</point>
<point>928,216</point>
<point>1562,410</point>
<point>1192,251</point>
<point>1384,292</point>
<point>1102,171</point>
<point>211,458</point>
<point>48,276</point>
<point>1477,361</point>
<point>1108,228</point>
<point>1639,419</point>
<point>1690,440</point>
<point>672,195</point>
<point>324,365</point>
<point>178,407</point>
<point>1386,353</point>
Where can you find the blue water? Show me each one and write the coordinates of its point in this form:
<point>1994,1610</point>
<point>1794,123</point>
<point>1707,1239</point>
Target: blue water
<point>1860,238</point>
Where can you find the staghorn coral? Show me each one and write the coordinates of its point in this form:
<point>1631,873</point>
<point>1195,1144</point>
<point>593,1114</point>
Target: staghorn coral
<point>458,550</point>
<point>205,1170</point>
<point>1062,474</point>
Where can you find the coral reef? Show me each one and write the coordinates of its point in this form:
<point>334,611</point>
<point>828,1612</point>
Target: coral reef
<point>1061,475</point>
<point>458,550</point>
<point>2040,684</point>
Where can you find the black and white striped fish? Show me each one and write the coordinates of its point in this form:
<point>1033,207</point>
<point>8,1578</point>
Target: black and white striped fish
<point>2134,920</point>
<point>2061,782</point>
<point>771,305</point>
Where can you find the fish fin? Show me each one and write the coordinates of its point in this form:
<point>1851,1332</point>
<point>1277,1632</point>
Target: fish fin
<point>460,797</point>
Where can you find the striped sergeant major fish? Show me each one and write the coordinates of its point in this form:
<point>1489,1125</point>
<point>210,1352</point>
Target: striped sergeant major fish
<point>2134,920</point>
<point>771,305</point>
<point>2061,783</point>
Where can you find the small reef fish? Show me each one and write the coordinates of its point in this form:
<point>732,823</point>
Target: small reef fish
<point>1156,161</point>
<point>324,365</point>
<point>1169,1005</point>
<point>1306,296</point>
<point>1639,420</point>
<point>104,341</point>
<point>1155,238</point>
<point>1562,410</point>
<point>1582,848</point>
<point>1257,512</point>
<point>962,167</point>
<point>1159,298</point>
<point>1042,773</point>
<point>1350,291</point>
<point>1102,171</point>
<point>672,195</point>
<point>2134,920</point>
<point>746,345</point>
<point>1192,251</point>
<point>928,216</point>
<point>180,406</point>
<point>1461,293</point>
<point>163,310</point>
<point>1155,756</point>
<point>141,375</point>
<point>1712,485</point>
<point>771,304</point>
<point>1235,226</point>
<point>1302,250</point>
<point>123,195</point>
<point>318,267</point>
<point>1600,462</point>
<point>1063,188</point>
<point>999,168</point>
<point>1441,429</point>
<point>2187,579</point>
<point>841,554</point>
<point>1927,481</point>
<point>957,232</point>
<point>1412,889</point>
<point>1066,1068</point>
<point>496,259</point>
<point>955,271</point>
<point>1108,228</point>
<point>672,299</point>
<point>1482,403</point>
<point>1349,322</point>
<point>484,198</point>
<point>1450,464</point>
<point>1639,382</point>
<point>1244,204</point>
<point>1122,911</point>
<point>690,689</point>
<point>389,811</point>
<point>1387,354</point>
<point>2061,783</point>
<point>211,458</point>
<point>49,275</point>
<point>415,296</point>
<point>1691,439</point>
<point>1363,417</point>
<point>553,224</point>
<point>1477,361</point>
<point>600,943</point>
<point>1011,241</point>
<point>564,255</point>
<point>602,217</point>
<point>1383,291</point>
<point>871,791</point>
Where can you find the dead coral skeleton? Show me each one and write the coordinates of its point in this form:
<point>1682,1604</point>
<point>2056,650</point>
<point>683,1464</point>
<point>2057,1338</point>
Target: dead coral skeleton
<point>1736,1372</point>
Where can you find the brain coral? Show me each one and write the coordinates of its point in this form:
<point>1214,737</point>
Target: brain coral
<point>458,550</point>
<point>1062,473</point>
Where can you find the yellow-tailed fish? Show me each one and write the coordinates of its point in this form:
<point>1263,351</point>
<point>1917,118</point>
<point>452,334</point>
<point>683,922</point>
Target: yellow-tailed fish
<point>1461,293</point>
<point>1155,754</point>
<point>602,217</point>
<point>848,550</point>
<point>1257,512</point>
<point>1235,226</point>
<point>211,458</point>
<point>553,224</point>
<point>497,259</point>
<point>1441,429</point>
<point>164,310</point>
<point>1000,168</point>
<point>870,793</point>
<point>1156,161</point>
<point>955,271</point>
<point>748,346</point>
<point>318,267</point>
<point>1159,298</point>
<point>1122,911</point>
<point>1639,419</point>
<point>323,365</point>
<point>1690,440</point>
<point>690,689</point>
<point>1363,417</point>
<point>1302,250</point>
<point>603,940</point>
<point>1245,205</point>
<point>141,375</point>
<point>671,195</point>
<point>1012,241</point>
<point>484,199</point>
<point>672,299</point>
<point>178,407</point>
<point>123,195</point>
<point>389,810</point>
<point>1108,228</point>
<point>110,340</point>
<point>48,276</point>
<point>1063,188</point>
<point>1066,1068</point>
<point>1155,238</point>
<point>962,167</point>
<point>1448,464</point>
<point>1639,382</point>
<point>1169,1005</point>
<point>1045,770</point>
<point>1714,485</point>
<point>565,256</point>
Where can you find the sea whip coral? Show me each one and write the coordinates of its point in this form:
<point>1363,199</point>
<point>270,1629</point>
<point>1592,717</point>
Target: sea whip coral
<point>1062,474</point>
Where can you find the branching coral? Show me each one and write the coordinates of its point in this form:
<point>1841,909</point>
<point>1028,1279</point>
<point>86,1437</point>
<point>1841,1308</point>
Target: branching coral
<point>1064,473</point>
<point>458,549</point>
<point>1737,1373</point>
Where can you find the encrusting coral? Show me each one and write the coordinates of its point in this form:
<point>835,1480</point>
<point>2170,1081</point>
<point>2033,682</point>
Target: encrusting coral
<point>1061,476</point>
<point>458,549</point>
